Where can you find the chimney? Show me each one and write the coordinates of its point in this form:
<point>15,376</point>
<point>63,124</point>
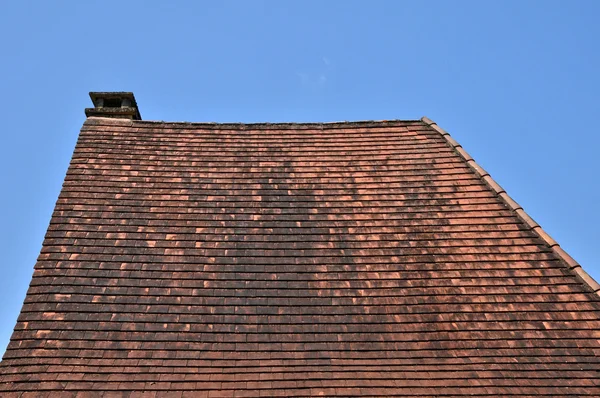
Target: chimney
<point>114,104</point>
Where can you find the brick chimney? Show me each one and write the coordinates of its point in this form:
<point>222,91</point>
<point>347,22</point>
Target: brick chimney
<point>114,104</point>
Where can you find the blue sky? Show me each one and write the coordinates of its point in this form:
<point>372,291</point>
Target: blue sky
<point>515,82</point>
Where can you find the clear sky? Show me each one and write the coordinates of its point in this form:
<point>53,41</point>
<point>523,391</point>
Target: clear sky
<point>517,83</point>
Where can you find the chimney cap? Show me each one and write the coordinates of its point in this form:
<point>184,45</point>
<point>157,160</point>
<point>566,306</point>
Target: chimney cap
<point>116,104</point>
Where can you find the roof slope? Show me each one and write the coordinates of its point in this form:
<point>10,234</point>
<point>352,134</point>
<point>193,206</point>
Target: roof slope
<point>368,258</point>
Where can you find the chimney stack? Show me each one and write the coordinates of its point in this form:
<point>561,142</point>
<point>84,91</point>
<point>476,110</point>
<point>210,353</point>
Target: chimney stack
<point>114,104</point>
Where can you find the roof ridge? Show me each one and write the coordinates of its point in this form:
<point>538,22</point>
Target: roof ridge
<point>514,206</point>
<point>268,125</point>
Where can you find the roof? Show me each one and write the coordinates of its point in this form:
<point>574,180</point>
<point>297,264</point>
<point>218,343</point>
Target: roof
<point>341,259</point>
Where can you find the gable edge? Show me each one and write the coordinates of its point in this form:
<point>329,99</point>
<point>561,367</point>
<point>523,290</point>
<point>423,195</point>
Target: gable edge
<point>567,260</point>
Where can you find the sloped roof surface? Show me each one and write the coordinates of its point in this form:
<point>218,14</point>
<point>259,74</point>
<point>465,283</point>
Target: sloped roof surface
<point>295,260</point>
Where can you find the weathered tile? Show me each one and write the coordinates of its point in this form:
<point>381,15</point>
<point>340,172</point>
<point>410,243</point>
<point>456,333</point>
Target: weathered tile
<point>341,259</point>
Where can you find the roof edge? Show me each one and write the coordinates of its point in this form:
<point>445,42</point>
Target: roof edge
<point>513,205</point>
